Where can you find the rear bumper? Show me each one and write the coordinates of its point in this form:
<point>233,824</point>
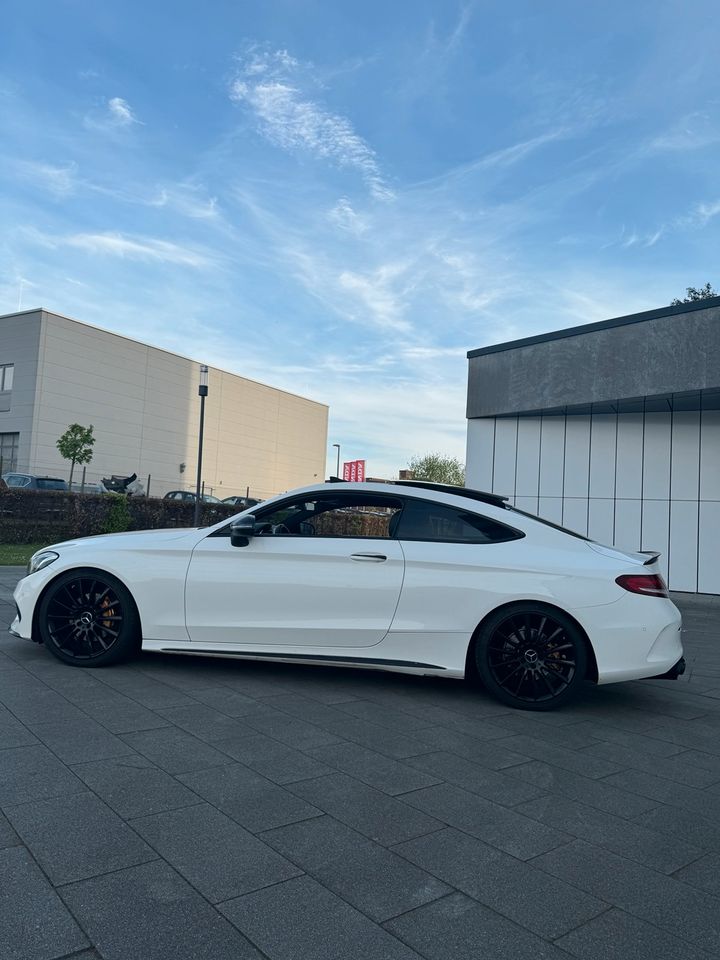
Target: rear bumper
<point>635,638</point>
<point>673,673</point>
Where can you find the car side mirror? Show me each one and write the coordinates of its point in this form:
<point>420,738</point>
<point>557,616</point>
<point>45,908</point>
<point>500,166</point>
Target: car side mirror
<point>241,531</point>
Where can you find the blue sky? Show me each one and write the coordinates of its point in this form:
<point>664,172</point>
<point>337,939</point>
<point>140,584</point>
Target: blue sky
<point>342,198</point>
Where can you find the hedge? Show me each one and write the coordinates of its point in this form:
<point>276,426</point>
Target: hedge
<point>49,516</point>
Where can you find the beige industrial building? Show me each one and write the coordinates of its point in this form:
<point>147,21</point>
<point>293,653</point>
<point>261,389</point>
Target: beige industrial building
<point>143,403</point>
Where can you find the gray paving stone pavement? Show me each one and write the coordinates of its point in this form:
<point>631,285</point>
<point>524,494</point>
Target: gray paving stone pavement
<point>168,810</point>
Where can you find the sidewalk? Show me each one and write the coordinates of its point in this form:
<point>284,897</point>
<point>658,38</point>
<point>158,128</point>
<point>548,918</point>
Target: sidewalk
<point>170,809</point>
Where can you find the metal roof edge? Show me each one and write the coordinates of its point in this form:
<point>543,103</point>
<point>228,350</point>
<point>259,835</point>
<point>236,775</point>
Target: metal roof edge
<point>656,314</point>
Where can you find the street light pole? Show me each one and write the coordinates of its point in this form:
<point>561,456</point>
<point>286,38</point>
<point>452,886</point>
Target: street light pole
<point>337,469</point>
<point>202,393</point>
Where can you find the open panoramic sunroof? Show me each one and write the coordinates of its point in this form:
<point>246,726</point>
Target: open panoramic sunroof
<point>493,498</point>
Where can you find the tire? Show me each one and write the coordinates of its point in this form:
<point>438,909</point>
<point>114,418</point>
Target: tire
<point>531,657</point>
<point>87,618</point>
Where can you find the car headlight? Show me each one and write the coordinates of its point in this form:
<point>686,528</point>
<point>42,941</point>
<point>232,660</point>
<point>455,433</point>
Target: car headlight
<point>41,559</point>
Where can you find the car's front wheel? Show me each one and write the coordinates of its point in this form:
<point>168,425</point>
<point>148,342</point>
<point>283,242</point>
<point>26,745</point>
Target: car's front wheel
<point>531,657</point>
<point>88,618</point>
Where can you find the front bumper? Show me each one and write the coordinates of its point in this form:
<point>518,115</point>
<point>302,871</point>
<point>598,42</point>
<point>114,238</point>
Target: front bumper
<point>25,596</point>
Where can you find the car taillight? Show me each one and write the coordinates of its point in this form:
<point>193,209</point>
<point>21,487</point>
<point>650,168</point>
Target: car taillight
<point>650,584</point>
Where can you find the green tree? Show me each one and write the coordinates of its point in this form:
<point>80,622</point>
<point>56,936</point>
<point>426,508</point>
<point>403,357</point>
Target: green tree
<point>693,295</point>
<point>437,469</point>
<point>76,445</point>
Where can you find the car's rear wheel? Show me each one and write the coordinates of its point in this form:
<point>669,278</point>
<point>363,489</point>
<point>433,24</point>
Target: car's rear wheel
<point>531,657</point>
<point>89,619</point>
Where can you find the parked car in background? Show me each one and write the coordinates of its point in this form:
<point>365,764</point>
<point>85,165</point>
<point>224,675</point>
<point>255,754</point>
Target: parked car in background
<point>28,481</point>
<point>89,487</point>
<point>190,497</point>
<point>242,503</point>
<point>129,485</point>
<point>407,576</point>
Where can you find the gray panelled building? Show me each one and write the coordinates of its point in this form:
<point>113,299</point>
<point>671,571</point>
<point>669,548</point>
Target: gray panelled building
<point>611,429</point>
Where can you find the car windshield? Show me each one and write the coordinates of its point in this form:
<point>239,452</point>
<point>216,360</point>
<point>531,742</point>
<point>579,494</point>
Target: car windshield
<point>208,499</point>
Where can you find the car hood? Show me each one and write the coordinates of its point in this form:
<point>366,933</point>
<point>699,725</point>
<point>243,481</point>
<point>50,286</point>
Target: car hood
<point>144,538</point>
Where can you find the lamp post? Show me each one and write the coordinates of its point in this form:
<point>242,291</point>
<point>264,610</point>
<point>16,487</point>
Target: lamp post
<point>337,469</point>
<point>202,393</point>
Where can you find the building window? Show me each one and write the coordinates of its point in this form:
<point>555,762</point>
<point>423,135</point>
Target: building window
<point>8,451</point>
<point>6,376</point>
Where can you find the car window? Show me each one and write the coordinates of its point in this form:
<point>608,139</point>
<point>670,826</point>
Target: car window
<point>17,481</point>
<point>340,515</point>
<point>426,520</point>
<point>48,483</point>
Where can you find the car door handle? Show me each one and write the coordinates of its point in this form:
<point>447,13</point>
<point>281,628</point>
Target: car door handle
<point>370,557</point>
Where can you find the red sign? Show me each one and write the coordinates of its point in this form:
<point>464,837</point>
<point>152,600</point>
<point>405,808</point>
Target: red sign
<point>354,471</point>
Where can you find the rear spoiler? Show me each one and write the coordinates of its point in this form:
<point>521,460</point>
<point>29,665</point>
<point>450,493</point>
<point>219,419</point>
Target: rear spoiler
<point>651,556</point>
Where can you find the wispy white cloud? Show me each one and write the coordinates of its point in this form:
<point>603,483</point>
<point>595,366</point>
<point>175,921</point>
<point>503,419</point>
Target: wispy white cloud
<point>137,248</point>
<point>463,21</point>
<point>500,160</point>
<point>462,280</point>
<point>115,114</point>
<point>416,352</point>
<point>361,278</point>
<point>269,84</point>
<point>346,365</point>
<point>704,212</point>
<point>344,216</point>
<point>696,219</point>
<point>691,132</point>
<point>58,180</point>
<point>441,45</point>
<point>376,296</point>
<point>147,249</point>
<point>507,156</point>
<point>632,237</point>
<point>187,200</point>
<point>433,55</point>
<point>121,112</point>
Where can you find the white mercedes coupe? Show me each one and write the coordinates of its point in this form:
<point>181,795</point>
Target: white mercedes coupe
<point>407,576</point>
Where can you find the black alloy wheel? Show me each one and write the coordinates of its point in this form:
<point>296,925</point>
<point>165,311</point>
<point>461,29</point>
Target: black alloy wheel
<point>88,619</point>
<point>531,657</point>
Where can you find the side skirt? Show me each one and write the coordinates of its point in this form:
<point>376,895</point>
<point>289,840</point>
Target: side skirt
<point>304,658</point>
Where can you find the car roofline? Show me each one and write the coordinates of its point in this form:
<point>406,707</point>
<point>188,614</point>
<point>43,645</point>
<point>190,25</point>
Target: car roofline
<point>496,499</point>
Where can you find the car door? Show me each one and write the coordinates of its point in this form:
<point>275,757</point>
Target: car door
<point>324,570</point>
